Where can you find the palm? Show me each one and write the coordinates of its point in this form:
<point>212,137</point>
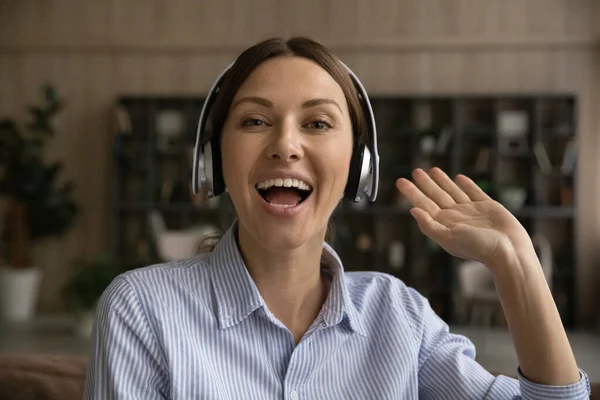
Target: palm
<point>460,217</point>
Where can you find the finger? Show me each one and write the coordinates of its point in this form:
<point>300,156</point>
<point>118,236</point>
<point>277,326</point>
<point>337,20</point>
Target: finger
<point>414,195</point>
<point>432,190</point>
<point>449,185</point>
<point>430,227</point>
<point>471,189</point>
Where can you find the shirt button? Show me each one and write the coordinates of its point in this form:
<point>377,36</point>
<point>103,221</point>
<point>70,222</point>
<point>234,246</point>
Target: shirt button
<point>294,395</point>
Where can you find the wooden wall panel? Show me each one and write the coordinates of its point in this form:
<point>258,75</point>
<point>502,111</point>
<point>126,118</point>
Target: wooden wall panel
<point>94,51</point>
<point>11,84</point>
<point>130,73</point>
<point>592,227</point>
<point>203,66</point>
<point>161,24</point>
<point>134,22</point>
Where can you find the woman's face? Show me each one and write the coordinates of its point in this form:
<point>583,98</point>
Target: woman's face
<point>286,149</point>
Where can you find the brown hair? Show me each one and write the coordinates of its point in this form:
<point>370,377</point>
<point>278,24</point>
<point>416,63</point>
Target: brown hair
<point>301,46</point>
<point>254,56</point>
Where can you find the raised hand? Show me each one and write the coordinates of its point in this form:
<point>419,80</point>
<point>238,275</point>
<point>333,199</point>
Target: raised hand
<point>461,218</point>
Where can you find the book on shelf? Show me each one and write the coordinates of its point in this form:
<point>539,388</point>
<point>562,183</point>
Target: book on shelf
<point>569,158</point>
<point>541,156</point>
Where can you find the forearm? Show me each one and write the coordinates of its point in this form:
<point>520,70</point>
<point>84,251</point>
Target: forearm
<point>541,343</point>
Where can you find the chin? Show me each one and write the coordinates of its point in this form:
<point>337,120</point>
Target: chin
<point>279,228</point>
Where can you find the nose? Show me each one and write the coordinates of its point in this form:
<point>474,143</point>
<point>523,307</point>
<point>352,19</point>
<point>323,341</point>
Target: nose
<point>285,144</point>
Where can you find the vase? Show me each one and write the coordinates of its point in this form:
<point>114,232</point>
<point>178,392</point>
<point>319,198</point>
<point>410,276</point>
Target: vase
<point>19,288</point>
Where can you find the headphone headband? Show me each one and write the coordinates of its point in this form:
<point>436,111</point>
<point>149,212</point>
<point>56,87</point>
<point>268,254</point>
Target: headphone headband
<point>198,181</point>
<point>367,179</point>
<point>373,184</point>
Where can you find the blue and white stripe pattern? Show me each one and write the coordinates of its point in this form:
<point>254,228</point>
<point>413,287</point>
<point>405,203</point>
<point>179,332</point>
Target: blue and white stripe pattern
<point>199,329</point>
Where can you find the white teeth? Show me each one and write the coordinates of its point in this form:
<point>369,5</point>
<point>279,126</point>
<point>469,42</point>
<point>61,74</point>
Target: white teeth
<point>283,205</point>
<point>284,182</point>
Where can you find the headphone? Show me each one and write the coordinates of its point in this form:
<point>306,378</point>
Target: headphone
<point>363,176</point>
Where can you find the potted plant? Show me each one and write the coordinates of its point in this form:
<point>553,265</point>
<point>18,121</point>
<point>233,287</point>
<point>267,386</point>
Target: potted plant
<point>89,280</point>
<point>38,206</point>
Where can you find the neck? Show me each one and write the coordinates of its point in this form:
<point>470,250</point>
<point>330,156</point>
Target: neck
<point>290,282</point>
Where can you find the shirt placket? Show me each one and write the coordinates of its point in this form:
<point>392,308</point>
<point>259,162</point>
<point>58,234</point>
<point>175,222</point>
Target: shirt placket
<point>303,362</point>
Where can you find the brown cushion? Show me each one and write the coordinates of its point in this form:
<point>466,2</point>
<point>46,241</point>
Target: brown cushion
<point>41,377</point>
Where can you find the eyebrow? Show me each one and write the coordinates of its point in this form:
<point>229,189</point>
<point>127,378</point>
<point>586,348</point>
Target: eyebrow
<point>261,101</point>
<point>317,102</point>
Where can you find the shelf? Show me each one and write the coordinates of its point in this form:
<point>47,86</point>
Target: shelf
<point>556,134</point>
<point>372,210</point>
<point>400,133</point>
<point>176,208</point>
<point>478,133</point>
<point>531,212</point>
<point>515,154</point>
<point>473,121</point>
<point>544,212</point>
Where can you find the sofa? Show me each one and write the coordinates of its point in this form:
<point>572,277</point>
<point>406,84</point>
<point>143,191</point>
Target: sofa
<point>41,377</point>
<point>54,377</point>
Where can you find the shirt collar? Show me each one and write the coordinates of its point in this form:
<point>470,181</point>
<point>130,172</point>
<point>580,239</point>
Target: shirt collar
<point>339,305</point>
<point>237,295</point>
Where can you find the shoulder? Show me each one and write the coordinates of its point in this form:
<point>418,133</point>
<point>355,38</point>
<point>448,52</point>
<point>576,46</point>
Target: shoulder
<point>381,292</point>
<point>164,282</point>
<point>159,274</point>
<point>382,285</point>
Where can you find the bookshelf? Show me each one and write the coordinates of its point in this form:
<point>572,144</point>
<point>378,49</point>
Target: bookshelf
<point>520,148</point>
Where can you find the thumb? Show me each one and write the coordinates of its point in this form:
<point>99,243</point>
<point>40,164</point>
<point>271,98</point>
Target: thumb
<point>429,226</point>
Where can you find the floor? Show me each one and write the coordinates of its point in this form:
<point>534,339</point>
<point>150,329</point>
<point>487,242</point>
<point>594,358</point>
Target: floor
<point>494,348</point>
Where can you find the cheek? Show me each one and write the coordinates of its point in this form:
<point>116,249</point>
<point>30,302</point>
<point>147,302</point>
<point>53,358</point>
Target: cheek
<point>336,164</point>
<point>233,163</point>
<point>239,154</point>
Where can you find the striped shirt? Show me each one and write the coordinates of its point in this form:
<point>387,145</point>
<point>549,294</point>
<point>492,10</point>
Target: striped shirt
<point>199,329</point>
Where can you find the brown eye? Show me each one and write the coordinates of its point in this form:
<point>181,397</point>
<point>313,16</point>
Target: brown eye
<point>319,125</point>
<point>252,122</point>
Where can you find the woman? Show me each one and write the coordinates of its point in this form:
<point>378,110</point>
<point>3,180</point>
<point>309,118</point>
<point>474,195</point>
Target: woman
<point>270,313</point>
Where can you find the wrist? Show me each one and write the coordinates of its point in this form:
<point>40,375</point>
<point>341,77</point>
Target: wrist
<point>515,263</point>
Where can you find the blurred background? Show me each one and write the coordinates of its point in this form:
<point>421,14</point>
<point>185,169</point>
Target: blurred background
<point>99,101</point>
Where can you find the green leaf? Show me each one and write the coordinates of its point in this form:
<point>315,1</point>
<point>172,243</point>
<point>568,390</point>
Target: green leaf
<point>26,176</point>
<point>89,280</point>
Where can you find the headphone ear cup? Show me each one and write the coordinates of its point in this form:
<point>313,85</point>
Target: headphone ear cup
<point>218,184</point>
<point>354,175</point>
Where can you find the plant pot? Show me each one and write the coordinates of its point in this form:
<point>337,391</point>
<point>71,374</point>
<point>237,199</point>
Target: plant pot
<point>18,293</point>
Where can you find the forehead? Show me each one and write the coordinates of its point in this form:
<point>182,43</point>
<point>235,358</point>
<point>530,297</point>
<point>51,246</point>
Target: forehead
<point>290,78</point>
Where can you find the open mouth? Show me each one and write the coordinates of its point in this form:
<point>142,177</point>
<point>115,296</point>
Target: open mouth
<point>284,192</point>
